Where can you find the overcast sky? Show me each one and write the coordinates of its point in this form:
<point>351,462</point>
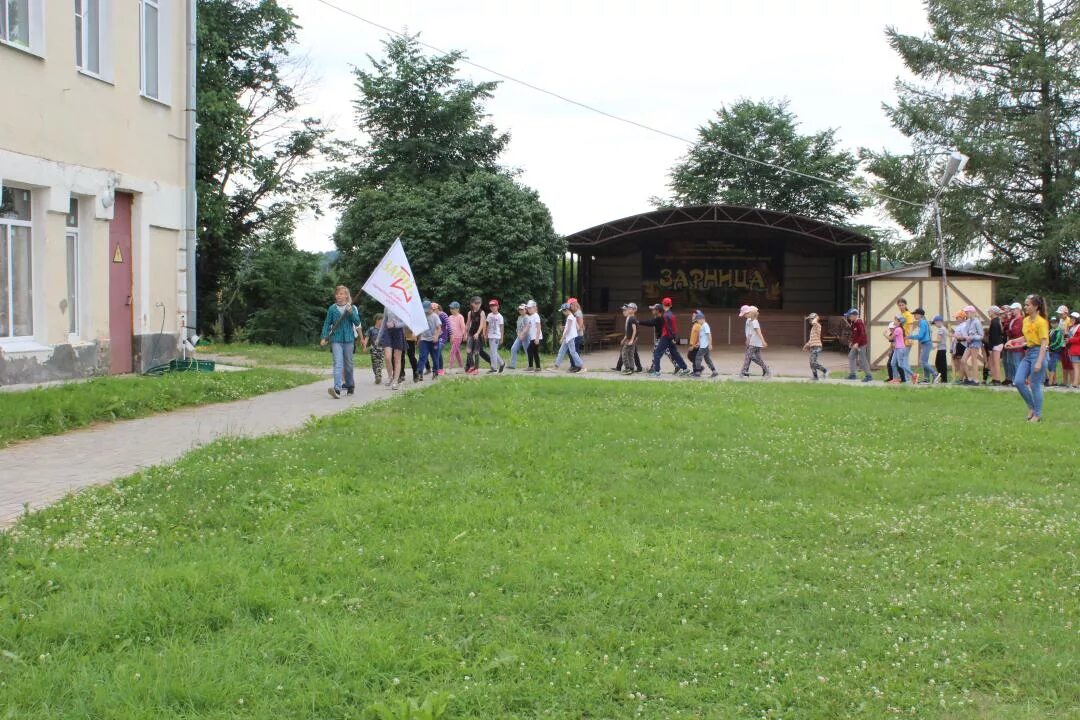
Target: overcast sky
<point>668,65</point>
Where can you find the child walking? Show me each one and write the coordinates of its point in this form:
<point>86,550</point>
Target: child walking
<point>695,331</point>
<point>444,337</point>
<point>755,342</point>
<point>898,361</point>
<point>814,346</point>
<point>533,335</point>
<point>704,347</point>
<point>569,335</point>
<point>339,331</point>
<point>375,349</point>
<point>941,350</point>
<point>495,336</point>
<point>457,334</point>
<point>429,340</point>
<point>520,338</point>
<point>628,355</point>
<point>475,324</point>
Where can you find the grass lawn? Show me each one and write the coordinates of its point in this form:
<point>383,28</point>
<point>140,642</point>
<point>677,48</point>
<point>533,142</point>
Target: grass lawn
<point>567,548</point>
<point>53,410</point>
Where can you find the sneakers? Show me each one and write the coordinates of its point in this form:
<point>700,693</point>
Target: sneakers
<point>378,380</point>
<point>851,376</point>
<point>868,378</point>
<point>627,372</point>
<point>393,386</point>
<point>713,374</point>
<point>825,374</point>
<point>502,367</point>
<point>575,369</point>
<point>492,370</point>
<point>654,373</point>
<point>334,393</point>
<point>682,372</point>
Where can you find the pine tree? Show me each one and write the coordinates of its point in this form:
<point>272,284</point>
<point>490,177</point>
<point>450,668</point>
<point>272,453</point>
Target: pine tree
<point>998,80</point>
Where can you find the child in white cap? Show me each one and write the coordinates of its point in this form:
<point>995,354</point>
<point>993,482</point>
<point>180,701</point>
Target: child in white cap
<point>755,342</point>
<point>814,346</point>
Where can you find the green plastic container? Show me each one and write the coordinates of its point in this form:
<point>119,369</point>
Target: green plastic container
<point>191,365</point>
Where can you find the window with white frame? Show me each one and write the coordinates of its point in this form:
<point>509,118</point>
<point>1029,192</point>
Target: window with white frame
<point>71,238</point>
<point>15,21</point>
<point>150,54</point>
<point>88,36</point>
<point>16,265</point>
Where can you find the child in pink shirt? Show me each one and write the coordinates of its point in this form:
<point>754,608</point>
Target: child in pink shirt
<point>899,359</point>
<point>457,334</point>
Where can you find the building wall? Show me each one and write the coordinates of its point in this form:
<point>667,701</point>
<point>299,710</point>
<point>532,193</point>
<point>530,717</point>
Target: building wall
<point>881,294</point>
<point>809,283</point>
<point>65,134</point>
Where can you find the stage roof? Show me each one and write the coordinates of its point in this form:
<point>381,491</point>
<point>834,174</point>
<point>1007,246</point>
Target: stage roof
<point>753,222</point>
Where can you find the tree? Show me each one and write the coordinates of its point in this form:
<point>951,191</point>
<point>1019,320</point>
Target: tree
<point>768,132</point>
<point>423,122</point>
<point>999,81</point>
<point>250,144</point>
<point>282,294</point>
<point>430,174</point>
<point>480,235</point>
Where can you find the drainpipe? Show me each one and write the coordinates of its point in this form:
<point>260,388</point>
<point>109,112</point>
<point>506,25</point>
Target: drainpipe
<point>191,197</point>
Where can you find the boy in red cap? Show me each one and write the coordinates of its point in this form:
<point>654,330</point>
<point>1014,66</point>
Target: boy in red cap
<point>669,338</point>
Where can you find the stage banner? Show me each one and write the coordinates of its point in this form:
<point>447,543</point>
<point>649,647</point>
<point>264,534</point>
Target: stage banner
<point>714,274</point>
<point>392,284</point>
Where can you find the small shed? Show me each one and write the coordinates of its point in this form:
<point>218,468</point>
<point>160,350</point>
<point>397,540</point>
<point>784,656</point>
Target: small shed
<point>920,284</point>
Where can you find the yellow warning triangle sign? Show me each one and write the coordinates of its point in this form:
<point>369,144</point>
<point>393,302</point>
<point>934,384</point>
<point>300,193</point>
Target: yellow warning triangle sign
<point>118,257</point>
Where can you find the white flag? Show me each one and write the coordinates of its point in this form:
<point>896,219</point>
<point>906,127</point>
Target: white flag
<point>392,284</point>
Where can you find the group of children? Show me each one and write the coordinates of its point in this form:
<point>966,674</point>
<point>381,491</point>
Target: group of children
<point>481,332</point>
<point>1010,349</point>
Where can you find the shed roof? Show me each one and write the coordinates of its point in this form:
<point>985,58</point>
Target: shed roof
<point>931,269</point>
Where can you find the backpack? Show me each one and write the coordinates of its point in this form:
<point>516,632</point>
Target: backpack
<point>1057,340</point>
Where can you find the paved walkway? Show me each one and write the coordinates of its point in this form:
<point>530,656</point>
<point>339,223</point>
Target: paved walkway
<point>39,472</point>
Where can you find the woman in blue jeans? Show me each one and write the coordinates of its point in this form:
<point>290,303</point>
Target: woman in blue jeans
<point>1032,365</point>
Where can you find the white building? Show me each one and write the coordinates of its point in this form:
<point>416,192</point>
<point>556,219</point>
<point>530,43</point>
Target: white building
<point>94,167</point>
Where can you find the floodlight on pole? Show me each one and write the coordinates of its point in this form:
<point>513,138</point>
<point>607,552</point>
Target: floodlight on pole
<point>953,166</point>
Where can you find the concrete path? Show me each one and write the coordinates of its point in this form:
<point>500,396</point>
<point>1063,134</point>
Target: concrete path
<point>39,472</point>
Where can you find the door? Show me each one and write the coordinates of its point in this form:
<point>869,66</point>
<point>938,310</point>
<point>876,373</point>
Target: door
<point>121,289</point>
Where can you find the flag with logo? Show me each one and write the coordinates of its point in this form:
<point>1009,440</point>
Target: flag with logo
<point>392,284</point>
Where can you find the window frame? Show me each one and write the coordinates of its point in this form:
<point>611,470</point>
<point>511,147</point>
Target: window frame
<point>73,266</point>
<point>5,227</point>
<point>156,4</point>
<point>83,34</point>
<point>35,18</point>
<point>5,26</point>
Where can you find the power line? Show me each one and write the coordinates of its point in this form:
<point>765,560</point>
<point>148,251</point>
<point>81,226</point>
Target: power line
<point>619,118</point>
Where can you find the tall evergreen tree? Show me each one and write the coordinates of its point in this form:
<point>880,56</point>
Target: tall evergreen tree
<point>767,132</point>
<point>998,80</point>
<point>423,123</point>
